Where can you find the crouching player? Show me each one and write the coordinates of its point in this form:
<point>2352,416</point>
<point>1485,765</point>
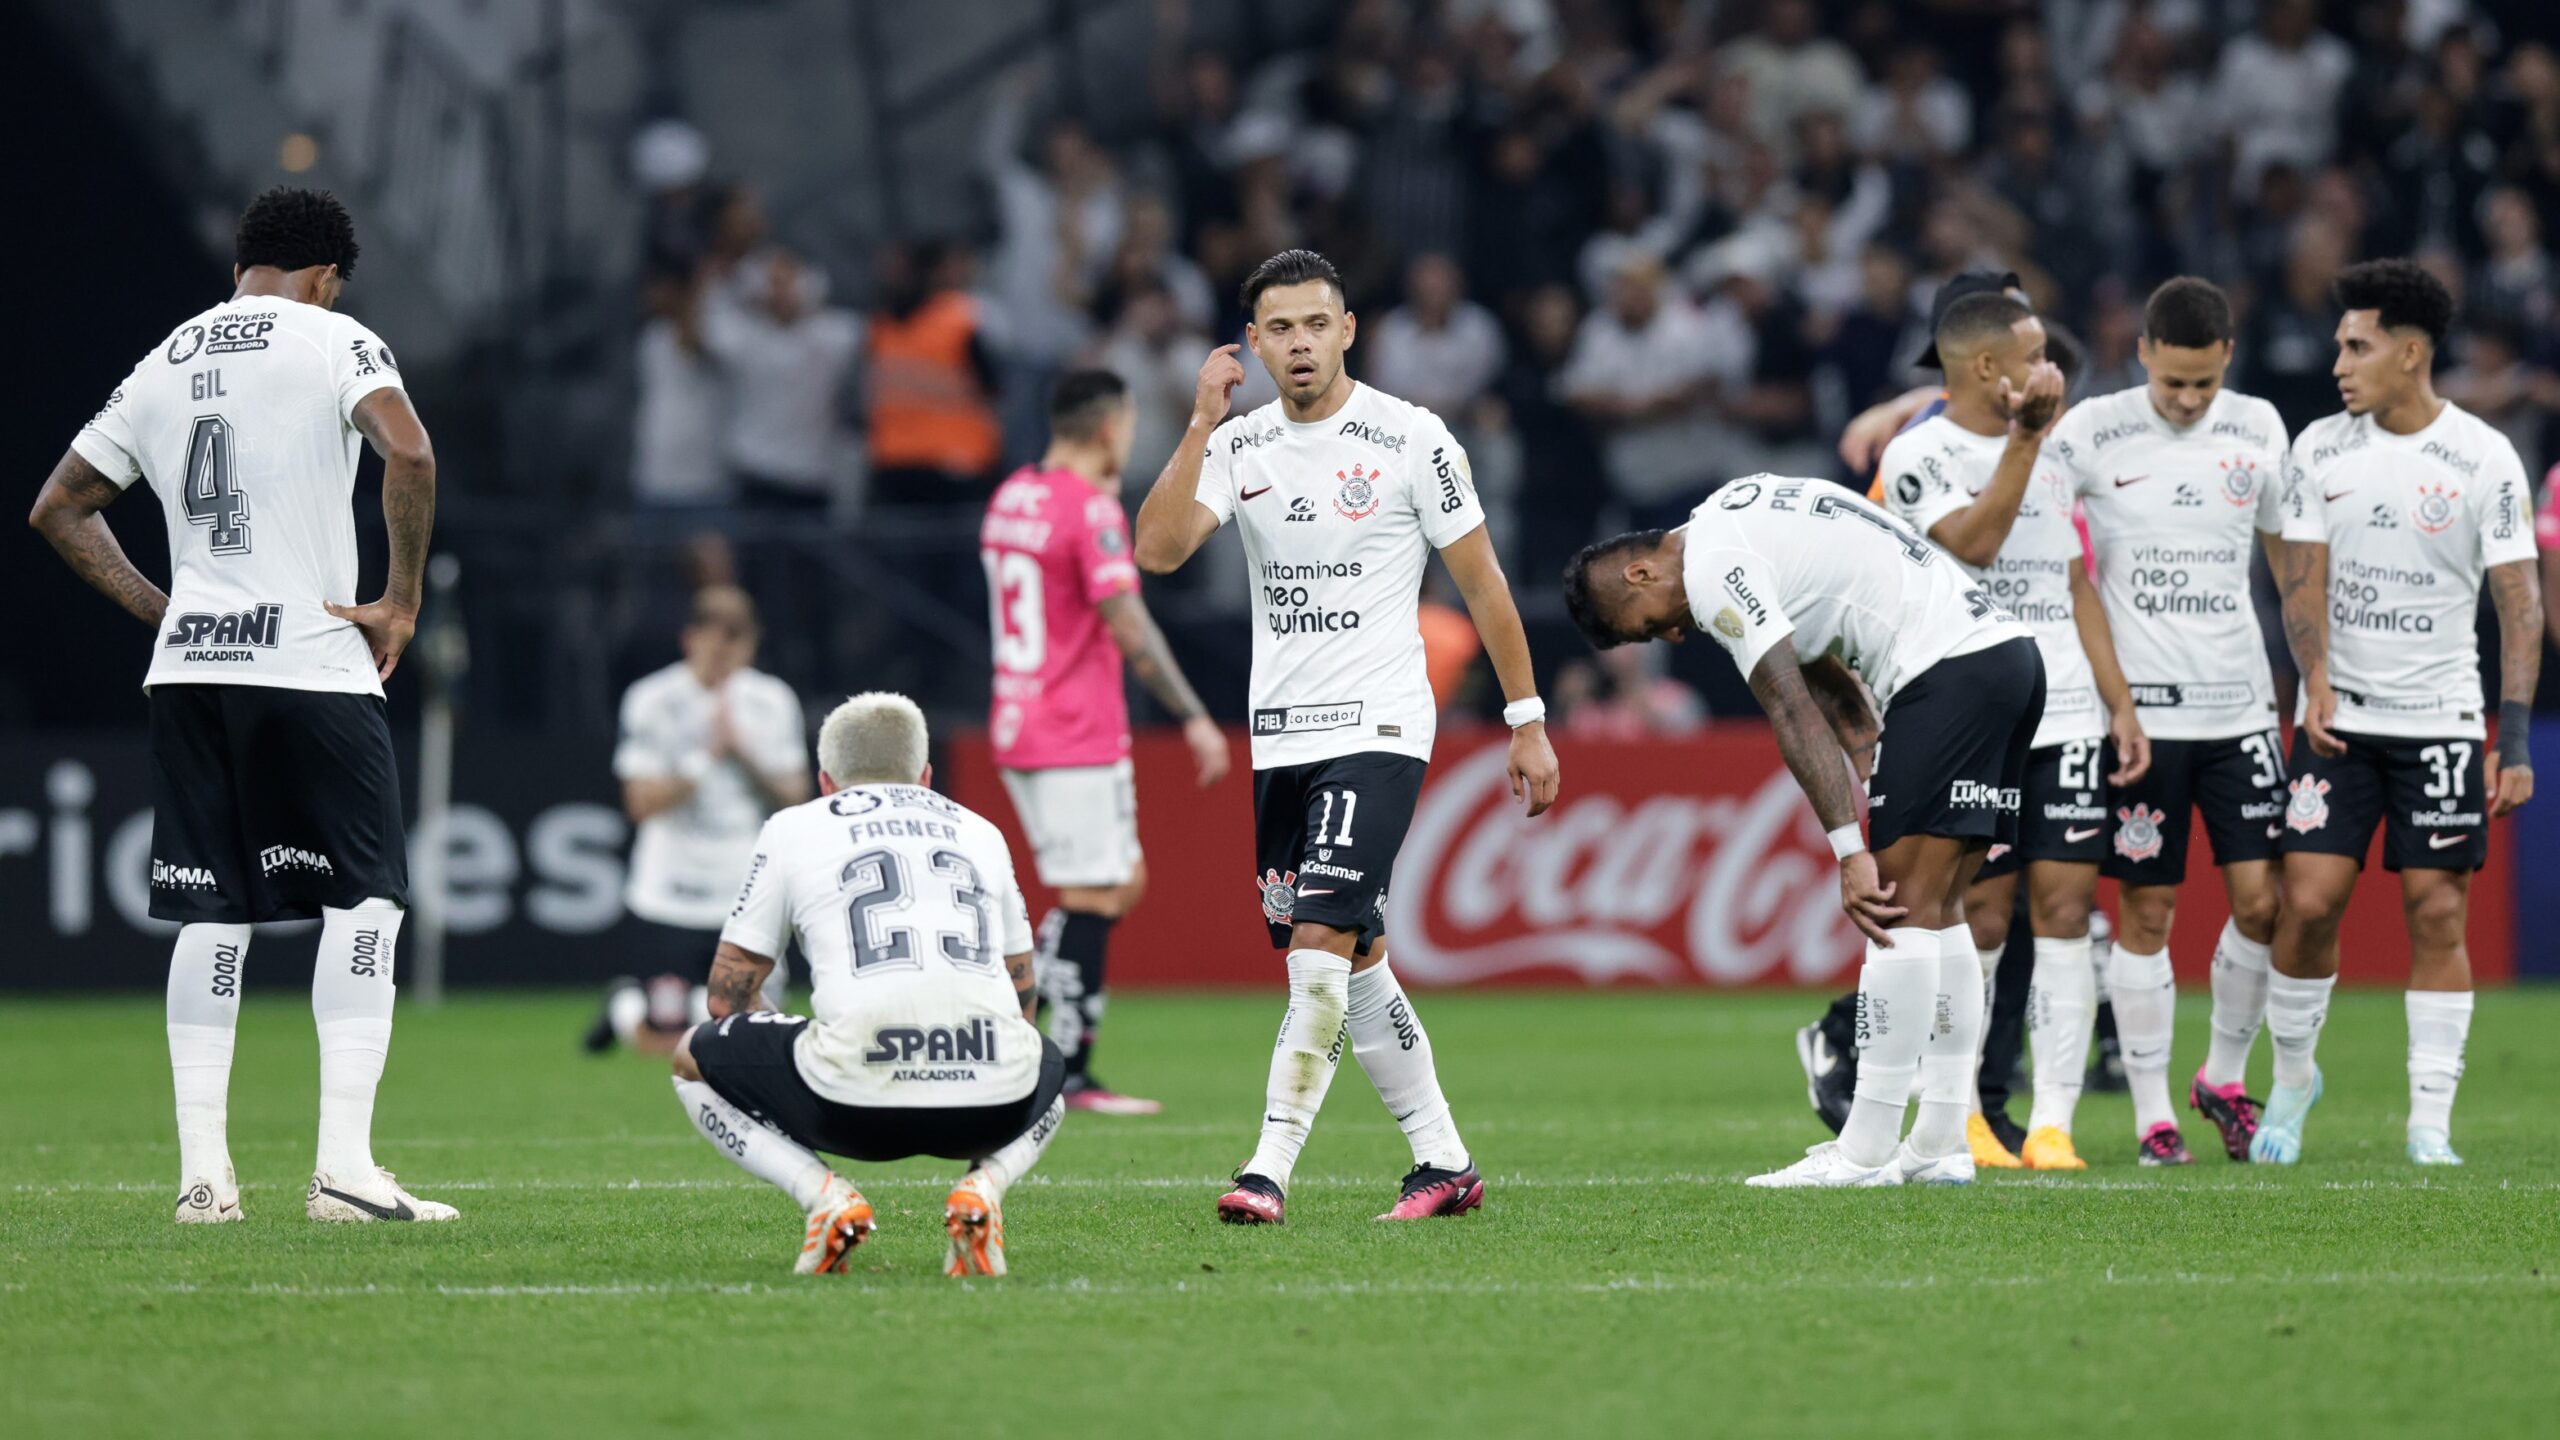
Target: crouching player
<point>919,953</point>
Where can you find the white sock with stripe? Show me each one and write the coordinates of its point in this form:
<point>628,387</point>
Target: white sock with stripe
<point>2240,967</point>
<point>1312,1036</point>
<point>2146,998</point>
<point>2062,1009</point>
<point>204,1019</point>
<point>760,1150</point>
<point>1897,994</point>
<point>2439,1027</point>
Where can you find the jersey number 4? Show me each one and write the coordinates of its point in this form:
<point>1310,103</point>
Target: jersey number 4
<point>212,489</point>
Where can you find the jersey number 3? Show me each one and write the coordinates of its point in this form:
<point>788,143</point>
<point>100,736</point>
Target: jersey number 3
<point>212,491</point>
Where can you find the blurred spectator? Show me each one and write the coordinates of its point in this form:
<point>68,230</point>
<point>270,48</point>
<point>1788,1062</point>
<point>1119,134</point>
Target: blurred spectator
<point>1861,357</point>
<point>1563,484</point>
<point>1058,224</point>
<point>2276,92</point>
<point>930,383</point>
<point>786,356</point>
<point>1439,349</point>
<point>1788,68</point>
<point>1645,368</point>
<point>677,417</point>
<point>2290,341</point>
<point>1154,348</point>
<point>1626,694</point>
<point>1915,115</point>
<point>2497,382</point>
<point>2514,280</point>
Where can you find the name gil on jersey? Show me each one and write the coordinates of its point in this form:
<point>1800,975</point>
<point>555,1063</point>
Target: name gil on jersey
<point>261,626</point>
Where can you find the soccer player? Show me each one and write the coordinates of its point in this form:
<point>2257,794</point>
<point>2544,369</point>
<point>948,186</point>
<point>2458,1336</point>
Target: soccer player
<point>274,792</point>
<point>1971,480</point>
<point>1066,611</point>
<point>1342,494</point>
<point>710,746</point>
<point>919,955</point>
<point>2394,513</point>
<point>1778,570</point>
<point>2176,477</point>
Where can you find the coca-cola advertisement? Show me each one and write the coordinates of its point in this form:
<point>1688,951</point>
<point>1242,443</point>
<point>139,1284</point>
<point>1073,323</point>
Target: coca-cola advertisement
<point>1691,862</point>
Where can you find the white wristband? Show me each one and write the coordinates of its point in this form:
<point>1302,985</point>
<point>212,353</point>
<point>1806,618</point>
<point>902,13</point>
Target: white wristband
<point>1524,712</point>
<point>1846,841</point>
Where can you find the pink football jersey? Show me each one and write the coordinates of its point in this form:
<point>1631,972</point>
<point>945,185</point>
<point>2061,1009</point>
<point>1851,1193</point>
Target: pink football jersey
<point>1055,548</point>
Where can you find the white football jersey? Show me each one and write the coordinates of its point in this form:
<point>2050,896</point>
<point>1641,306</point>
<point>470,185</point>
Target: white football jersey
<point>686,863</point>
<point>2412,523</point>
<point>241,422</point>
<point>2173,516</point>
<point>905,907</point>
<point>1937,468</point>
<point>1772,558</point>
<point>1338,517</point>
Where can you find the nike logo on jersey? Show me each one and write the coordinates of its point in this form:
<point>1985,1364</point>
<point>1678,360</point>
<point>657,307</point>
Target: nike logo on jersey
<point>2074,837</point>
<point>2445,842</point>
<point>1304,893</point>
<point>2334,496</point>
<point>396,1210</point>
<point>2124,480</point>
<point>1249,494</point>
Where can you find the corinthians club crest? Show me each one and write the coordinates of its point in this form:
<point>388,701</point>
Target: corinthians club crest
<point>2434,510</point>
<point>2308,810</point>
<point>2138,832</point>
<point>2239,479</point>
<point>1279,896</point>
<point>1358,497</point>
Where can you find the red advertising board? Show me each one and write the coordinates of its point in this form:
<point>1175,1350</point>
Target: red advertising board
<point>1687,862</point>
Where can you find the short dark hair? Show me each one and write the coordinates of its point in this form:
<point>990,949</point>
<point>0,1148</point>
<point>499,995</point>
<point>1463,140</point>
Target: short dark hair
<point>1977,318</point>
<point>295,229</point>
<point>1080,399</point>
<point>2188,312</point>
<point>1591,579</point>
<point>2402,291</point>
<point>1291,267</point>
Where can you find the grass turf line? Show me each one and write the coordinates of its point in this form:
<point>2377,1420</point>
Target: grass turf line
<point>609,1267</point>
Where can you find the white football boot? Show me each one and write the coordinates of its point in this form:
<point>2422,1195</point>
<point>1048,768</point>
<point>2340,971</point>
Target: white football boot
<point>366,1198</point>
<point>1956,1169</point>
<point>2427,1146</point>
<point>1825,1167</point>
<point>976,1225</point>
<point>208,1201</point>
<point>838,1224</point>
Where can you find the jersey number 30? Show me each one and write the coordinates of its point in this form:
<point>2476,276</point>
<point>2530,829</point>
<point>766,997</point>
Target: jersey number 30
<point>211,492</point>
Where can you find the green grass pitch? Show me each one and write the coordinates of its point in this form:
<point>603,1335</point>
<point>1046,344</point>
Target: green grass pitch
<point>612,1276</point>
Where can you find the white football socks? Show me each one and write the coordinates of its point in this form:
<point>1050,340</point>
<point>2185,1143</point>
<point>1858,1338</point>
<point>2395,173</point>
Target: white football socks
<point>1302,1060</point>
<point>1949,1052</point>
<point>1990,962</point>
<point>2439,1026</point>
<point>351,996</point>
<point>1897,1008</point>
<point>2062,1009</point>
<point>998,1171</point>
<point>2146,998</point>
<point>204,1019</point>
<point>2239,1004</point>
<point>1393,1048</point>
<point>2295,1009</point>
<point>761,1151</point>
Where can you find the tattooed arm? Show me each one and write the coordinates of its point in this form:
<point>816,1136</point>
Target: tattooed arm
<point>2515,590</point>
<point>1805,738</point>
<point>391,427</point>
<point>1835,689</point>
<point>1141,642</point>
<point>66,514</point>
<point>2302,580</point>
<point>737,981</point>
<point>1025,987</point>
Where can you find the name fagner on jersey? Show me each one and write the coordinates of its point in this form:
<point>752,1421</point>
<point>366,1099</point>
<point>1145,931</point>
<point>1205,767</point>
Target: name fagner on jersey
<point>1339,516</point>
<point>242,422</point>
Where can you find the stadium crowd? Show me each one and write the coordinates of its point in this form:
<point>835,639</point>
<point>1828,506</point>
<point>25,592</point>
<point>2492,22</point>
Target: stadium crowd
<point>1628,249</point>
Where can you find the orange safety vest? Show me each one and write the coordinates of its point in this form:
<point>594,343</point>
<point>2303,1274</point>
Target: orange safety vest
<point>927,412</point>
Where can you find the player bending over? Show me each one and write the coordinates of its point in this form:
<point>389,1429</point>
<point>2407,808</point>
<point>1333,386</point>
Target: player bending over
<point>274,791</point>
<point>1066,612</point>
<point>1779,569</point>
<point>919,953</point>
<point>1972,479</point>
<point>1342,493</point>
<point>2394,513</point>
